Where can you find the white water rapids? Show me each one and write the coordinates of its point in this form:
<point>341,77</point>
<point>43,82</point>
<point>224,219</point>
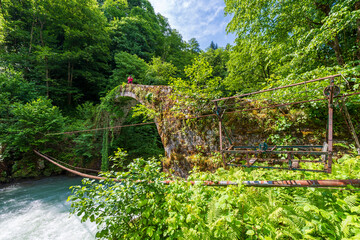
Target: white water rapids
<point>38,210</point>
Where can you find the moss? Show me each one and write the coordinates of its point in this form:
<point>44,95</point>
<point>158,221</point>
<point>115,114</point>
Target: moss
<point>3,177</point>
<point>25,172</point>
<point>252,127</point>
<point>48,172</point>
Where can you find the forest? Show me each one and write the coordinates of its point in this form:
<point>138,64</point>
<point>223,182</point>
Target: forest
<point>61,63</point>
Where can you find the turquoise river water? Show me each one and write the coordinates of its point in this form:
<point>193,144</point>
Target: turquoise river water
<point>38,210</point>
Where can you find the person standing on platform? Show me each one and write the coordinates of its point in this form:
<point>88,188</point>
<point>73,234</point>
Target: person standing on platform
<point>130,79</point>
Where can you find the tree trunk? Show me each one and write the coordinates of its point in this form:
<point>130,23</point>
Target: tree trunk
<point>326,8</point>
<point>336,46</point>
<point>357,7</point>
<point>47,76</point>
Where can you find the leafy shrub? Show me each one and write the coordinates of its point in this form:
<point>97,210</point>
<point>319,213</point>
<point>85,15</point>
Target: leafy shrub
<point>140,207</point>
<point>128,64</point>
<point>34,121</point>
<point>14,89</point>
<point>159,72</point>
<point>130,209</point>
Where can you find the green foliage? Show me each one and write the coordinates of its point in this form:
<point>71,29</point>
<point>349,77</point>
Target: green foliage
<point>200,82</point>
<point>72,52</point>
<point>138,32</point>
<point>248,66</point>
<point>128,64</point>
<point>218,59</point>
<point>105,151</point>
<point>119,160</point>
<point>177,51</point>
<point>159,72</point>
<point>145,113</point>
<point>114,8</point>
<point>194,45</point>
<point>1,27</point>
<point>140,207</point>
<point>291,38</point>
<point>84,145</point>
<point>62,45</point>
<point>140,141</point>
<point>14,89</point>
<point>34,121</point>
<point>213,46</point>
<point>127,209</point>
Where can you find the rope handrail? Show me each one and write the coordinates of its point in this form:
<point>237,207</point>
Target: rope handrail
<point>286,183</point>
<point>68,169</point>
<point>79,168</point>
<point>204,116</point>
<point>277,88</point>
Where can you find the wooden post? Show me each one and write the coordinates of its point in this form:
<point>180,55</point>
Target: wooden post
<point>221,143</point>
<point>220,133</point>
<point>330,128</point>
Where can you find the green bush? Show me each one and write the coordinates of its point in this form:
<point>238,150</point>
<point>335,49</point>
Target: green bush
<point>130,209</point>
<point>33,122</point>
<point>140,207</point>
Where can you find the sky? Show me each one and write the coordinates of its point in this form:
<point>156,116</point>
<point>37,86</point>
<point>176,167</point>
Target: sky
<point>200,19</point>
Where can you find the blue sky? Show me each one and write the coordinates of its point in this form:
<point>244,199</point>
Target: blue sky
<point>201,19</point>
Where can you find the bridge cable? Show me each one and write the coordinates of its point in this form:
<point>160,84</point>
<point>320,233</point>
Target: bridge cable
<point>204,116</point>
<point>64,163</point>
<point>331,184</point>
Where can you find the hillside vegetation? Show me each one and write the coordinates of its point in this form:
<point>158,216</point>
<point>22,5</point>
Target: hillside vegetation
<point>60,62</point>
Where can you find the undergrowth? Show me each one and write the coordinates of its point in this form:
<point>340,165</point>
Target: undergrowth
<point>148,209</point>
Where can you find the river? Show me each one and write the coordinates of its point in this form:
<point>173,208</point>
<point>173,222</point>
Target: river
<point>38,210</point>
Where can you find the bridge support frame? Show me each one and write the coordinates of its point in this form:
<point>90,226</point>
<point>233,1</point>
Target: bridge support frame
<point>325,151</point>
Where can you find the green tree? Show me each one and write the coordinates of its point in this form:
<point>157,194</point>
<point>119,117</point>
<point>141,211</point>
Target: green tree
<point>159,72</point>
<point>85,44</point>
<point>139,32</point>
<point>249,66</point>
<point>177,51</point>
<point>286,38</point>
<point>134,35</point>
<point>64,44</point>
<point>114,9</point>
<point>213,46</point>
<point>128,64</point>
<point>199,81</point>
<point>33,121</point>
<point>194,45</point>
<point>14,89</point>
<point>218,59</point>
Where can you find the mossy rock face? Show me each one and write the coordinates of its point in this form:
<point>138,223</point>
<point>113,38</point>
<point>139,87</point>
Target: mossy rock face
<point>178,136</point>
<point>280,126</point>
<point>246,128</point>
<point>48,172</point>
<point>3,177</point>
<point>25,172</point>
<point>28,168</point>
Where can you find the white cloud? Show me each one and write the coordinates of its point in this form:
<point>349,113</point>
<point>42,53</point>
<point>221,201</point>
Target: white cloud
<point>202,19</point>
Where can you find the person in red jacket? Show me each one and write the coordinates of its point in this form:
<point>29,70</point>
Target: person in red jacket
<point>130,79</point>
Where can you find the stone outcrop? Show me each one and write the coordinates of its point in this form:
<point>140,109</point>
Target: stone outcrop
<point>177,135</point>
